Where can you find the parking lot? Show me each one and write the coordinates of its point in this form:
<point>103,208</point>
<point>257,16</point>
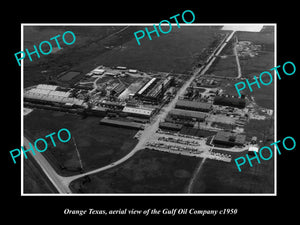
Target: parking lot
<point>185,145</point>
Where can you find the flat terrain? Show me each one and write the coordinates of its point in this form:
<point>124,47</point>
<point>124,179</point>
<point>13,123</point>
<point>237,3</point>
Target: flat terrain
<point>97,144</point>
<point>80,56</point>
<point>222,177</point>
<point>147,171</point>
<point>250,67</point>
<point>263,62</point>
<point>96,46</point>
<point>225,65</point>
<point>176,51</point>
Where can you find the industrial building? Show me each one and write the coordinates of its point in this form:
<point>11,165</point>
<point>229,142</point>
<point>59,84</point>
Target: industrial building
<point>138,112</point>
<point>230,101</point>
<point>118,89</point>
<point>119,123</point>
<point>193,105</point>
<point>112,105</point>
<point>229,139</point>
<point>187,115</point>
<point>48,94</point>
<point>153,90</point>
<point>97,111</point>
<point>170,126</point>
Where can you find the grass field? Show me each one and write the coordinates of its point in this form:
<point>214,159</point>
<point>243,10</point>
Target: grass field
<point>225,65</point>
<point>222,177</point>
<point>94,46</point>
<point>251,67</point>
<point>97,144</point>
<point>91,41</point>
<point>146,172</point>
<point>175,51</point>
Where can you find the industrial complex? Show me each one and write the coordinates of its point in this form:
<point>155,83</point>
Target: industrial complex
<point>133,99</point>
<point>189,114</point>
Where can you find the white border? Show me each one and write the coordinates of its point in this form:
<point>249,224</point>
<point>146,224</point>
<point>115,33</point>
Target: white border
<point>150,194</point>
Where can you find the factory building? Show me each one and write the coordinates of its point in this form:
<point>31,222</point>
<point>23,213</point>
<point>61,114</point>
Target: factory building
<point>230,101</point>
<point>48,94</point>
<point>187,115</point>
<point>118,89</point>
<point>229,139</point>
<point>170,126</point>
<point>138,112</point>
<point>154,90</point>
<point>112,105</point>
<point>192,105</point>
<point>147,86</point>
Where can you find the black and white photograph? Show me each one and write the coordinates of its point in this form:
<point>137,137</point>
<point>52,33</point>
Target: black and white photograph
<point>147,111</point>
<point>162,117</point>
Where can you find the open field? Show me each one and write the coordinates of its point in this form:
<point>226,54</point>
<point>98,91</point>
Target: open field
<point>262,129</point>
<point>91,41</point>
<point>263,62</point>
<point>225,65</point>
<point>97,144</point>
<point>176,51</point>
<point>253,66</point>
<point>147,171</point>
<point>221,177</point>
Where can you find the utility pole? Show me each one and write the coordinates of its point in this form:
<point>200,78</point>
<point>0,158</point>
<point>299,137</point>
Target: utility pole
<point>78,155</point>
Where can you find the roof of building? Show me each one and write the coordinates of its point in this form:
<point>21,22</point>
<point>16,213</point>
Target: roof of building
<point>170,125</point>
<point>109,103</point>
<point>121,67</point>
<point>141,111</point>
<point>46,87</point>
<point>253,148</point>
<point>230,137</point>
<point>193,104</point>
<point>188,113</point>
<point>146,86</point>
<point>52,96</point>
<point>132,71</point>
<point>98,71</point>
<point>45,90</point>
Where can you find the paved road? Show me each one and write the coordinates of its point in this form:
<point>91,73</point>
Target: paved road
<point>237,59</point>
<point>62,183</point>
<point>55,178</point>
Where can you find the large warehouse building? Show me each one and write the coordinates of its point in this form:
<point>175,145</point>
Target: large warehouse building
<point>229,139</point>
<point>49,94</point>
<point>230,101</point>
<point>154,90</point>
<point>187,115</point>
<point>193,105</point>
<point>138,112</point>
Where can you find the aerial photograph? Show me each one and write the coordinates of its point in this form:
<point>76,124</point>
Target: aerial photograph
<point>160,117</point>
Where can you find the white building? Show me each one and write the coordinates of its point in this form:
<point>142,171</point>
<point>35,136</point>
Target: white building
<point>141,112</point>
